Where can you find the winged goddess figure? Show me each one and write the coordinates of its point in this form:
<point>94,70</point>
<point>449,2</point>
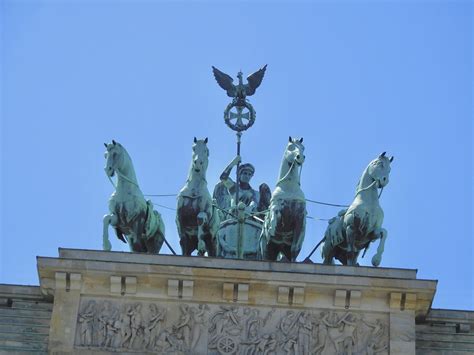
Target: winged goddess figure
<point>240,91</point>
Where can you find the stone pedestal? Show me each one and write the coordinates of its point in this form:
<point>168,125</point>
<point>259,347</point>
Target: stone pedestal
<point>135,303</point>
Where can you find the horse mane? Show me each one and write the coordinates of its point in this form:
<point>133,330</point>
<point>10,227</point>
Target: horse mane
<point>359,183</point>
<point>125,153</point>
<point>129,161</point>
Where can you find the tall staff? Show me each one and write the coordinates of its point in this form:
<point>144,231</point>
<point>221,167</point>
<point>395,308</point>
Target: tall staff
<point>239,116</point>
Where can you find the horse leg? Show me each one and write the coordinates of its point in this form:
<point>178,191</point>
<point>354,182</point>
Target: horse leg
<point>182,234</point>
<point>261,247</point>
<point>377,258</point>
<point>298,235</point>
<point>185,242</point>
<point>154,244</point>
<point>351,253</point>
<point>135,243</point>
<point>203,227</point>
<point>286,250</point>
<point>210,245</point>
<point>271,251</point>
<point>328,253</point>
<point>109,219</point>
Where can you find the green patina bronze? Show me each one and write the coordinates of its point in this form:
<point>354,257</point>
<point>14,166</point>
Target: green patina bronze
<point>239,204</point>
<point>244,115</point>
<point>133,218</point>
<point>285,222</point>
<point>243,218</point>
<point>238,221</point>
<point>354,229</point>
<point>196,217</point>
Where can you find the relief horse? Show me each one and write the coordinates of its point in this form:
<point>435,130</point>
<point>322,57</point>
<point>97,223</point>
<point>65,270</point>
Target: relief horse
<point>355,228</point>
<point>132,217</point>
<point>196,218</point>
<point>285,222</point>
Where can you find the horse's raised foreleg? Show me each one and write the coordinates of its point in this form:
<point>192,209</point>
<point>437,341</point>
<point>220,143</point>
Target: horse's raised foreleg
<point>109,219</point>
<point>377,258</point>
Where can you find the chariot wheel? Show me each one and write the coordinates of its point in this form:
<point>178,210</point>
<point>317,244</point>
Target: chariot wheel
<point>226,346</point>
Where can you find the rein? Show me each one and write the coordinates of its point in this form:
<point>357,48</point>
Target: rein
<point>123,177</point>
<point>368,187</point>
<point>288,173</point>
<point>112,182</point>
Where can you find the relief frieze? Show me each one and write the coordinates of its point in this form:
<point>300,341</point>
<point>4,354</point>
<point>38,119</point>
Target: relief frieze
<point>191,328</point>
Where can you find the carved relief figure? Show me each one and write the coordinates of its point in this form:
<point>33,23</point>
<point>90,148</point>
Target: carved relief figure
<point>112,328</point>
<point>288,332</point>
<point>164,342</point>
<point>153,325</point>
<point>126,325</point>
<point>224,322</point>
<point>105,317</point>
<point>143,327</point>
<point>86,319</point>
<point>305,328</point>
<point>136,322</point>
<point>199,320</point>
<point>184,325</point>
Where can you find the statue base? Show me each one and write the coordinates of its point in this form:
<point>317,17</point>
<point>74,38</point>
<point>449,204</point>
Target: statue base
<point>137,303</point>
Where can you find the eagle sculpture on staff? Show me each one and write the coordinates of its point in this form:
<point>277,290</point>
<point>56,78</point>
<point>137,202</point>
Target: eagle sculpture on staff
<point>240,91</point>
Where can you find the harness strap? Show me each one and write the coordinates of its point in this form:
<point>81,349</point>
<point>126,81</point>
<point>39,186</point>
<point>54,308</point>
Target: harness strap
<point>288,173</point>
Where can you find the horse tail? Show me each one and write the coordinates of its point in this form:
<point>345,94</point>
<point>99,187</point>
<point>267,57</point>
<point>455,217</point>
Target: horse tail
<point>215,220</point>
<point>120,234</point>
<point>333,236</point>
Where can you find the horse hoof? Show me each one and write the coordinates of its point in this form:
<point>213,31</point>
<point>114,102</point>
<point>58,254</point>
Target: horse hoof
<point>107,246</point>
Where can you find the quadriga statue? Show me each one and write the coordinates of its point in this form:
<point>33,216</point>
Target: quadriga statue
<point>196,218</point>
<point>133,218</point>
<point>285,223</point>
<point>355,228</point>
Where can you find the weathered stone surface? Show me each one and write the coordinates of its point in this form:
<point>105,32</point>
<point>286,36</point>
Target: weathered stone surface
<point>224,306</point>
<point>166,327</point>
<point>445,332</point>
<point>24,320</point>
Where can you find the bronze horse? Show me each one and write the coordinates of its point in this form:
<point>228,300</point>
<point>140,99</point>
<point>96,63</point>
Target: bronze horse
<point>196,218</point>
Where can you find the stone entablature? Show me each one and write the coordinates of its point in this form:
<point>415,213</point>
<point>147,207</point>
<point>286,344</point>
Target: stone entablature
<point>445,331</point>
<point>378,304</point>
<point>25,316</point>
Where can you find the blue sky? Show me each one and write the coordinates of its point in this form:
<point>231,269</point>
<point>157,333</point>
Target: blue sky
<point>353,78</point>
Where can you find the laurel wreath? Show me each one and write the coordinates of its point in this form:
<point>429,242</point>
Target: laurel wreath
<point>239,128</point>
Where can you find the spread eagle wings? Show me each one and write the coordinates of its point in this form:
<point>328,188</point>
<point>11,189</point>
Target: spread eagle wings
<point>226,82</point>
<point>254,81</point>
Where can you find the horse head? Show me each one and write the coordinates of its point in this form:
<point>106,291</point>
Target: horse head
<point>294,153</point>
<point>379,170</point>
<point>200,158</point>
<point>115,158</point>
